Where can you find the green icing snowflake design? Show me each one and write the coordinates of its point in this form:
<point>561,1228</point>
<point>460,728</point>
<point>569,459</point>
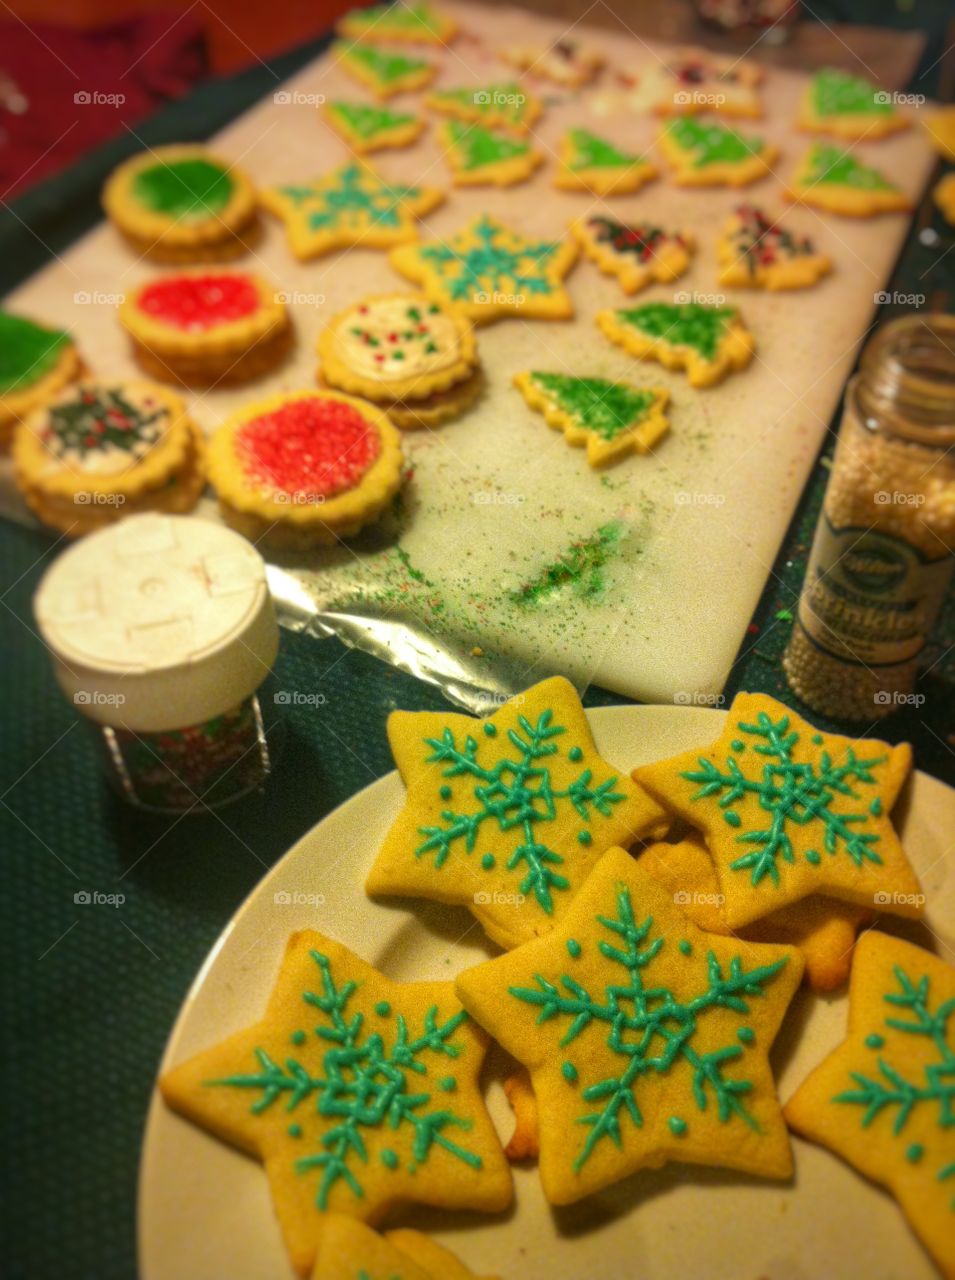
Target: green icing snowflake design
<point>712,143</point>
<point>830,165</point>
<point>791,793</point>
<point>478,146</point>
<point>684,324</point>
<point>356,194</point>
<point>606,408</point>
<point>890,1091</point>
<point>361,1085</point>
<point>837,93</point>
<point>517,792</point>
<point>367,121</point>
<point>490,266</point>
<point>591,152</point>
<point>648,1027</point>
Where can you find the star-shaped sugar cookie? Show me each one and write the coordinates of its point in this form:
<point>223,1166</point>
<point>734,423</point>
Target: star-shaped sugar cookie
<point>489,270</point>
<point>610,419</point>
<point>788,812</point>
<point>885,1099</point>
<point>350,206</point>
<point>354,1091</point>
<point>348,1249</point>
<point>646,1039</point>
<point>506,816</point>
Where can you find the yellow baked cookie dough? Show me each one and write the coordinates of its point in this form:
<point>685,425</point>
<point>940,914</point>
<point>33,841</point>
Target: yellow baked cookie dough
<point>486,157</point>
<point>706,154</point>
<point>35,363</point>
<point>369,128</point>
<point>709,342</point>
<point>355,1092</point>
<point>848,107</point>
<point>590,163</point>
<point>636,253</point>
<point>832,179</point>
<point>609,419</point>
<point>758,252</point>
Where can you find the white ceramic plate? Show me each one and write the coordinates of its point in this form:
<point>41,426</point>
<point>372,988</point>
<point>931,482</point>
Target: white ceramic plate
<point>204,1211</point>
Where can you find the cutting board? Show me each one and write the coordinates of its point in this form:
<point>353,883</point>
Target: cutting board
<point>660,560</point>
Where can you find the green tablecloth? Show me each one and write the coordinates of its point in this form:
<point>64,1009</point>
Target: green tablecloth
<point>92,991</point>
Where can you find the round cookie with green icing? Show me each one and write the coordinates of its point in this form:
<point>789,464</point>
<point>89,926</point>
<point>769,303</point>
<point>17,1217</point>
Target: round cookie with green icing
<point>709,342</point>
<point>383,72</point>
<point>35,363</point>
<point>337,1089</point>
<point>702,153</point>
<point>832,179</point>
<point>369,128</point>
<point>487,157</point>
<point>182,204</point>
<point>632,1038</point>
<point>591,163</point>
<point>848,106</point>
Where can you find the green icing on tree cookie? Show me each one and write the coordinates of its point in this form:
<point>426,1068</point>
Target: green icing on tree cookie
<point>837,93</point>
<point>355,194</point>
<point>596,404</point>
<point>712,143</point>
<point>367,121</point>
<point>791,793</point>
<point>386,67</point>
<point>516,792</point>
<point>100,420</point>
<point>890,1089</point>
<point>490,265</point>
<point>362,1084</point>
<point>184,189</point>
<point>686,324</point>
<point>591,152</point>
<point>831,165</point>
<point>578,570</point>
<point>411,18</point>
<point>507,100</point>
<point>648,1027</point>
<point>28,351</point>
<point>478,146</point>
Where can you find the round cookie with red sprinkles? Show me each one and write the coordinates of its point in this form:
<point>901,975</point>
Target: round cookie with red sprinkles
<point>305,468</point>
<point>207,327</point>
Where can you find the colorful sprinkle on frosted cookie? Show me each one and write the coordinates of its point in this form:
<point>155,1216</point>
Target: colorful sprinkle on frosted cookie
<point>609,419</point>
<point>591,163</point>
<point>705,154</point>
<point>635,253</point>
<point>647,1040</point>
<point>507,105</point>
<point>759,252</point>
<point>565,62</point>
<point>848,106</point>
<point>366,128</point>
<point>709,342</point>
<point>487,157</point>
<point>693,81</point>
<point>832,179</point>
<point>383,72</point>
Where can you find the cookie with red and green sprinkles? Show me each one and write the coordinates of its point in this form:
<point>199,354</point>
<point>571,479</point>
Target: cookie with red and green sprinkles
<point>35,362</point>
<point>415,358</point>
<point>369,128</point>
<point>756,251</point>
<point>709,342</point>
<point>592,163</point>
<point>181,203</point>
<point>382,71</point>
<point>416,23</point>
<point>305,468</point>
<point>487,157</point>
<point>207,326</point>
<point>635,253</point>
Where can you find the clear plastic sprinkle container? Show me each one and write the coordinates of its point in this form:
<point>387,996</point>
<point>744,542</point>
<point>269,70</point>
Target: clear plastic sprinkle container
<point>162,632</point>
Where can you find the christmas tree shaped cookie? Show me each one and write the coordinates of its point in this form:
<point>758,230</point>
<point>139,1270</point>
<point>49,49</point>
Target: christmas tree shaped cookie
<point>693,81</point>
<point>367,128</point>
<point>647,1040</point>
<point>507,105</point>
<point>885,1099</point>
<point>383,72</point>
<point>848,106</point>
<point>354,1091</point>
<point>788,812</point>
<point>565,62</point>
<point>488,271</point>
<point>636,253</point>
<point>350,206</point>
<point>610,419</point>
<point>348,1248</point>
<point>704,154</point>
<point>487,157</point>
<point>506,816</point>
<point>834,180</point>
<point>589,163</point>
<point>35,363</point>
<point>416,23</point>
<point>757,252</point>
<point>708,342</point>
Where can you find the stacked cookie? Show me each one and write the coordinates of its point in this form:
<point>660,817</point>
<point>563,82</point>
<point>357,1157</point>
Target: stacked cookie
<point>35,362</point>
<point>102,450</point>
<point>414,358</point>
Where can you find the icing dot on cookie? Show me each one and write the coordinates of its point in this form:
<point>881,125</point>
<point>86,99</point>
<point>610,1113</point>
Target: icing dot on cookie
<point>487,862</point>
<point>875,808</point>
<point>584,837</point>
<point>685,946</point>
<point>389,1159</point>
<point>732,817</point>
<point>573,947</point>
<point>297,1037</point>
<point>490,729</point>
<point>813,857</point>
<point>446,793</point>
<point>914,1153</point>
<point>874,1041</point>
<point>746,1034</point>
<point>575,754</point>
<point>569,1072</point>
<point>383,1008</point>
<point>295,1131</point>
<point>677,1126</point>
<point>817,739</point>
<point>447,1084</point>
<point>738,744</point>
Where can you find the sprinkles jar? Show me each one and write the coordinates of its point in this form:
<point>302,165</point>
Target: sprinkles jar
<point>882,556</point>
<point>162,632</point>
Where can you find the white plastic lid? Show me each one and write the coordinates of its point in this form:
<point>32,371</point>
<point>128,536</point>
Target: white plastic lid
<point>158,622</point>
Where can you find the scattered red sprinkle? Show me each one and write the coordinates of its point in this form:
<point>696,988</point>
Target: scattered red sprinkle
<point>752,629</point>
<point>318,446</point>
<point>196,303</point>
